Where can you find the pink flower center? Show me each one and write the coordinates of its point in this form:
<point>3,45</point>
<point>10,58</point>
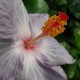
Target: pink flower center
<point>26,42</point>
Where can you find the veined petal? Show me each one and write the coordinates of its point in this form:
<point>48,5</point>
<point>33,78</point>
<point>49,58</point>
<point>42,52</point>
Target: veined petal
<point>14,20</point>
<point>6,28</point>
<point>36,21</point>
<point>33,70</point>
<point>15,60</point>
<point>20,19</point>
<point>60,71</point>
<point>10,61</point>
<point>51,53</point>
<point>4,43</point>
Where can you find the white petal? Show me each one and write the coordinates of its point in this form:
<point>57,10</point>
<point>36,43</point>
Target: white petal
<point>4,43</point>
<point>33,70</point>
<point>6,28</point>
<point>60,71</point>
<point>10,62</point>
<point>51,53</point>
<point>11,69</point>
<point>20,18</point>
<point>13,19</point>
<point>36,22</point>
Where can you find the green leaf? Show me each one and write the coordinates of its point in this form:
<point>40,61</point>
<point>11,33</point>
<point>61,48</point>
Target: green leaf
<point>61,2</point>
<point>74,2</point>
<point>77,75</point>
<point>60,38</point>
<point>77,15</point>
<point>78,63</point>
<point>77,37</point>
<point>71,50</point>
<point>38,6</point>
<point>74,24</point>
<point>75,8</point>
<point>70,70</point>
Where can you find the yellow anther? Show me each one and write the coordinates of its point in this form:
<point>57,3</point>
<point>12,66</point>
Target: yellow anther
<point>55,25</point>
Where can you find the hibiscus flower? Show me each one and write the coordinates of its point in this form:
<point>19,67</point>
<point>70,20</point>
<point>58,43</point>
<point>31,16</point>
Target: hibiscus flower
<point>22,56</point>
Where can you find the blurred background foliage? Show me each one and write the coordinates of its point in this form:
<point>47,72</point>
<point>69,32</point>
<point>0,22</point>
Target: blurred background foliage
<point>70,39</point>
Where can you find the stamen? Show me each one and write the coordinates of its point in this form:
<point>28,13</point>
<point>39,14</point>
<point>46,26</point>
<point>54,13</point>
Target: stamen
<point>55,25</point>
<point>52,27</point>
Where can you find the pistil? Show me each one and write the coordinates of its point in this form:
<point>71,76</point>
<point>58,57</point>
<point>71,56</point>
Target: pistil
<point>52,27</point>
<point>36,39</point>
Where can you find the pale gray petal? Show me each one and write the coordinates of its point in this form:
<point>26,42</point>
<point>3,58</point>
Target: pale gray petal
<point>10,61</point>
<point>14,20</point>
<point>51,53</point>
<point>6,27</point>
<point>4,43</point>
<point>60,71</point>
<point>34,70</point>
<point>36,22</point>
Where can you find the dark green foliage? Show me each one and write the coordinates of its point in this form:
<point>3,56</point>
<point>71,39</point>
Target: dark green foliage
<point>70,39</point>
<point>36,6</point>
